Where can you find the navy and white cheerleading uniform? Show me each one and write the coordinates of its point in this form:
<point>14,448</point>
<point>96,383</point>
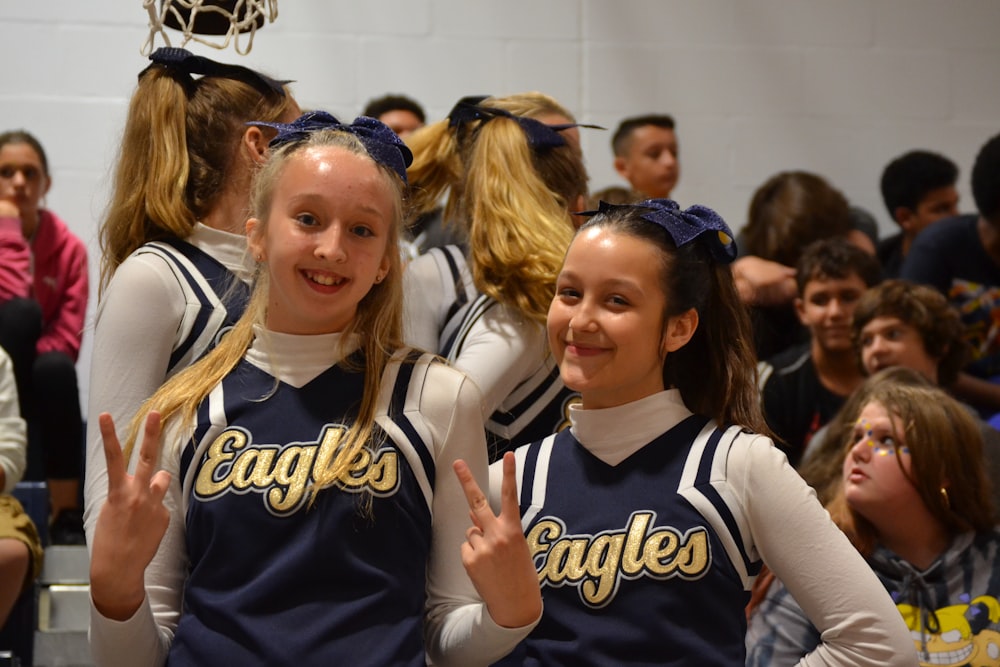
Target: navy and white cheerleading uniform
<point>165,306</point>
<point>648,526</point>
<point>215,299</point>
<point>438,285</point>
<point>362,576</point>
<point>504,353</point>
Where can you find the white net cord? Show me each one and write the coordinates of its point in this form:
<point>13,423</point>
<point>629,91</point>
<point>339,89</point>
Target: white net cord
<point>242,22</point>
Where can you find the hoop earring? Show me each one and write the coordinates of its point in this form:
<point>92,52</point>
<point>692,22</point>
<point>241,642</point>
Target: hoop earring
<point>944,497</point>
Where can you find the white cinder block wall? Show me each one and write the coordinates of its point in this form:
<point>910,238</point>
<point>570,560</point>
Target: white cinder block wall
<point>838,87</point>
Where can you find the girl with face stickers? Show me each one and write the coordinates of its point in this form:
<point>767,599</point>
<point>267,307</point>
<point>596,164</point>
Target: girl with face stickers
<point>915,501</point>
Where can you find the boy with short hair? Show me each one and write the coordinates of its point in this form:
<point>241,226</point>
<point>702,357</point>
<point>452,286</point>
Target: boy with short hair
<point>646,154</point>
<point>803,387</point>
<point>402,114</point>
<point>899,323</point>
<point>918,189</point>
<point>960,257</point>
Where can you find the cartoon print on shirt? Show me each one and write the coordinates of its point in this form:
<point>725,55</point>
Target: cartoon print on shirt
<point>979,306</point>
<point>961,635</point>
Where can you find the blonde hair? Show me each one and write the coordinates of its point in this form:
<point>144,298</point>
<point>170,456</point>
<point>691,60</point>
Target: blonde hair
<point>518,227</point>
<point>378,322</point>
<point>438,169</point>
<point>175,156</point>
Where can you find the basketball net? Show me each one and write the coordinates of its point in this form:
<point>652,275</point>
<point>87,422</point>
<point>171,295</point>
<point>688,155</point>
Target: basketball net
<point>244,19</point>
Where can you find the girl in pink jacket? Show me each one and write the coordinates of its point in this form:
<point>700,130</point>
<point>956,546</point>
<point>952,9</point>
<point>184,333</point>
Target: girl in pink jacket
<point>43,302</point>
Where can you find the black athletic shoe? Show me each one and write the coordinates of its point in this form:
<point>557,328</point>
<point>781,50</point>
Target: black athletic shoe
<point>68,528</point>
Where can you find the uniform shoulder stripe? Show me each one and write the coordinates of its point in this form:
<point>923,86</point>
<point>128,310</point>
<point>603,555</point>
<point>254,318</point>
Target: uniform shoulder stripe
<point>533,471</point>
<point>535,392</point>
<point>403,382</point>
<point>455,332</point>
<point>451,261</point>
<point>210,421</point>
<point>705,485</point>
<point>397,408</point>
<point>204,280</point>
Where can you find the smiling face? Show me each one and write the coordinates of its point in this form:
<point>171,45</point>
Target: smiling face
<point>826,308</point>
<point>606,322</point>
<point>325,240</point>
<point>876,468</point>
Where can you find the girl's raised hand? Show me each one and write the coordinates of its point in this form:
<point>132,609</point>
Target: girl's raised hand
<point>495,553</point>
<point>131,524</point>
<point>8,209</point>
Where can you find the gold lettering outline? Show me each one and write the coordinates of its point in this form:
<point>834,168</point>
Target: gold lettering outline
<point>282,475</point>
<point>596,564</point>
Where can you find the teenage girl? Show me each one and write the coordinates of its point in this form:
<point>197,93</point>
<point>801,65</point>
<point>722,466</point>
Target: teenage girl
<point>302,508</point>
<point>916,506</point>
<point>650,517</point>
<point>175,270</point>
<point>512,182</point>
<point>43,302</point>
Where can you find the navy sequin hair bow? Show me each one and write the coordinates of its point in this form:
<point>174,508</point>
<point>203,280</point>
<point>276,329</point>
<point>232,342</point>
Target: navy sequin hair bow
<point>540,135</point>
<point>182,60</point>
<point>684,226</point>
<point>384,145</point>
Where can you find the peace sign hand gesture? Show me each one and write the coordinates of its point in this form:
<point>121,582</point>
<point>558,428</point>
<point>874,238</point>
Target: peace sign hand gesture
<point>495,553</point>
<point>131,524</point>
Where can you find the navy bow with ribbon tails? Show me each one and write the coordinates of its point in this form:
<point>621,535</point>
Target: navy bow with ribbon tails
<point>540,135</point>
<point>684,226</point>
<point>466,109</point>
<point>182,60</point>
<point>384,145</point>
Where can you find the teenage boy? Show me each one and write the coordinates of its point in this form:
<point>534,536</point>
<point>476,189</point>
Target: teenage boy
<point>961,258</point>
<point>402,114</point>
<point>899,323</point>
<point>645,149</point>
<point>918,189</point>
<point>803,387</point>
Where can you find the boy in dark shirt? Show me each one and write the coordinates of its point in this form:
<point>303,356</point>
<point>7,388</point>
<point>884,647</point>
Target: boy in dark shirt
<point>918,188</point>
<point>961,258</point>
<point>803,387</point>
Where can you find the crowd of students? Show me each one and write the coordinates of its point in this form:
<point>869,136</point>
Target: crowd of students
<point>897,364</point>
<point>428,403</point>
